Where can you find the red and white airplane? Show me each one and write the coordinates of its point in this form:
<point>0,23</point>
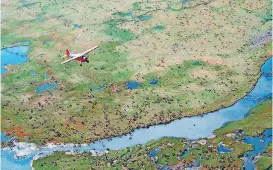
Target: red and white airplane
<point>78,56</point>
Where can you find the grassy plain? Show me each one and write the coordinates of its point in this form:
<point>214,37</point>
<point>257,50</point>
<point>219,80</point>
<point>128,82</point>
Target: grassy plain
<point>206,55</point>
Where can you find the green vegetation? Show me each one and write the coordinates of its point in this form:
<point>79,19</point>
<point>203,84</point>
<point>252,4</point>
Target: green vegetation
<point>264,163</point>
<point>203,59</point>
<point>122,35</point>
<point>113,160</point>
<point>121,14</point>
<point>172,149</point>
<point>252,121</point>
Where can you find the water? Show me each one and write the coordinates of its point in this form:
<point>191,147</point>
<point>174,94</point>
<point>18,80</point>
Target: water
<point>185,153</point>
<point>192,128</point>
<point>260,143</point>
<point>101,88</point>
<point>33,73</point>
<point>13,55</point>
<point>267,19</point>
<point>222,149</point>
<point>132,85</point>
<point>130,14</point>
<point>159,27</point>
<point>45,87</point>
<point>153,82</point>
<point>267,67</point>
<point>153,153</point>
<point>192,166</point>
<point>9,163</point>
<point>144,17</point>
<point>47,42</point>
<point>77,26</point>
<point>40,19</point>
<point>26,5</point>
<point>4,138</point>
<point>140,18</point>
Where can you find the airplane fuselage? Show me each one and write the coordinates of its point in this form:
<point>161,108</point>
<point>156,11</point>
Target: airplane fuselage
<point>81,59</point>
<point>77,56</point>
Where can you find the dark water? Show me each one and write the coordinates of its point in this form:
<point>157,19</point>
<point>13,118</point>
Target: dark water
<point>153,82</point>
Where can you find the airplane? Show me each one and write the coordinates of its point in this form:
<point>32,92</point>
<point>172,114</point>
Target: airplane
<point>78,56</point>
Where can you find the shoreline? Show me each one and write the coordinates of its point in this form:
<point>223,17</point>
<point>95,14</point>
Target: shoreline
<point>228,104</point>
<point>53,145</point>
<point>13,46</point>
<point>31,164</point>
<point>8,66</point>
<point>100,153</point>
<point>188,114</point>
<point>16,44</point>
<point>99,146</point>
<point>204,140</point>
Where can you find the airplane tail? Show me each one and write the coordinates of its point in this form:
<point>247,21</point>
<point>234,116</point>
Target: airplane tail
<point>67,53</point>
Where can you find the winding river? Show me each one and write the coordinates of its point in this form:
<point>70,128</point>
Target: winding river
<point>192,128</point>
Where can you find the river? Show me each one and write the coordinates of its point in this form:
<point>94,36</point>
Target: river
<point>192,128</point>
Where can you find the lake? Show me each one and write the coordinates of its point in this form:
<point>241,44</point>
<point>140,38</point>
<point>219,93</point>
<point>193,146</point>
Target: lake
<point>13,55</point>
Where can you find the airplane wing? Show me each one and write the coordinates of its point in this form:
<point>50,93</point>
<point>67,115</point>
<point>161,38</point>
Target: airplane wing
<point>71,59</point>
<point>91,49</point>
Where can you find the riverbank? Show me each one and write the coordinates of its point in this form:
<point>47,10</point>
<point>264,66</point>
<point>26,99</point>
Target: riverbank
<point>191,128</point>
<point>193,76</point>
<point>228,101</point>
<point>202,153</point>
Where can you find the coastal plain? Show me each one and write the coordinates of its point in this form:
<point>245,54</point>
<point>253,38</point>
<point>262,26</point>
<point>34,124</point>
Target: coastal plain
<point>227,149</point>
<point>184,58</point>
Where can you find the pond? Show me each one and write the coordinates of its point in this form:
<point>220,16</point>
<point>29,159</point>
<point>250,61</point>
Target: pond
<point>13,55</point>
<point>45,87</point>
<point>132,85</point>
